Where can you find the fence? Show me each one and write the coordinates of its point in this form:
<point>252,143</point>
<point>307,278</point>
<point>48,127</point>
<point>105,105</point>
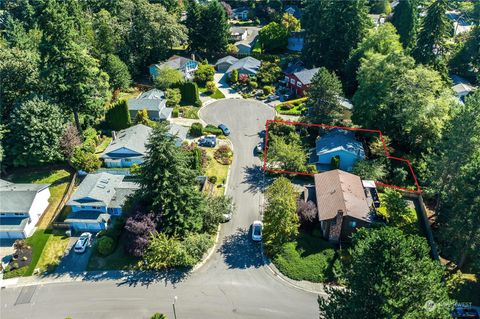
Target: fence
<point>66,196</point>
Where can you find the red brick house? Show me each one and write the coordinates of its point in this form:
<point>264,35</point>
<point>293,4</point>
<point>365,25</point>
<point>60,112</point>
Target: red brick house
<point>342,205</point>
<point>299,82</point>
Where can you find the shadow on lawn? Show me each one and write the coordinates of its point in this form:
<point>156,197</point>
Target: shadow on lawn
<point>240,252</point>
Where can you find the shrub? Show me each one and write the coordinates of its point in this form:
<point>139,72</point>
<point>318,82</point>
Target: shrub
<point>175,112</point>
<point>196,129</point>
<point>189,92</point>
<point>213,179</point>
<point>84,161</point>
<point>198,103</point>
<point>211,129</point>
<point>173,97</point>
<point>243,78</point>
<point>335,162</point>
<point>90,134</point>
<point>197,245</point>
<point>204,73</point>
<point>139,227</point>
<point>211,87</point>
<point>253,84</point>
<point>142,118</point>
<point>223,155</point>
<point>118,116</point>
<point>287,106</point>
<point>307,212</point>
<point>105,245</point>
<point>267,89</point>
<point>234,76</point>
<point>311,169</point>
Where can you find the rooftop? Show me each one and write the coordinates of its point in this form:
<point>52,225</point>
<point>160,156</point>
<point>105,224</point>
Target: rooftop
<point>338,139</point>
<point>338,190</point>
<point>306,76</point>
<point>18,198</point>
<point>247,63</point>
<point>153,100</point>
<point>133,138</point>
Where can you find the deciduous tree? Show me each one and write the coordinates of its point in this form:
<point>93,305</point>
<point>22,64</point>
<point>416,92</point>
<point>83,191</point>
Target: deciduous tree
<point>398,212</point>
<point>290,23</point>
<point>273,36</point>
<point>280,220</point>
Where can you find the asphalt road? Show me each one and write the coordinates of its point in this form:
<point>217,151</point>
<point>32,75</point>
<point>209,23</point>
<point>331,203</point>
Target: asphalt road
<point>234,283</point>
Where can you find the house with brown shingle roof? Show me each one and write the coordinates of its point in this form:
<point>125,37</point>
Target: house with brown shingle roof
<point>342,204</point>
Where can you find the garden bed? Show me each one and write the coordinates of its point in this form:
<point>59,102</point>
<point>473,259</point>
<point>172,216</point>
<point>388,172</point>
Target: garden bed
<point>292,107</point>
<point>214,168</point>
<point>307,258</point>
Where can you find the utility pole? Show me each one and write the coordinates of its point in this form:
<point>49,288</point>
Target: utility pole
<point>173,304</point>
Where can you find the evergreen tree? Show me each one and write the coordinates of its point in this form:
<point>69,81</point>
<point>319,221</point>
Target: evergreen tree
<point>169,185</point>
<point>405,19</point>
<point>380,6</point>
<point>466,60</point>
<point>117,71</point>
<point>35,128</point>
<point>324,21</point>
<point>214,25</point>
<point>324,95</point>
<point>118,116</point>
<point>193,24</point>
<point>432,39</point>
<point>391,275</point>
<point>70,74</point>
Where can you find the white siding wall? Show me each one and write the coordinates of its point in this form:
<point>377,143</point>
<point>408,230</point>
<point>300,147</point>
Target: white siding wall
<point>39,205</point>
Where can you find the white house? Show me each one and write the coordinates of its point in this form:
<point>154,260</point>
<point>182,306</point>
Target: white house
<point>461,87</point>
<point>21,206</point>
<point>238,34</point>
<point>97,198</point>
<point>184,65</point>
<point>154,101</point>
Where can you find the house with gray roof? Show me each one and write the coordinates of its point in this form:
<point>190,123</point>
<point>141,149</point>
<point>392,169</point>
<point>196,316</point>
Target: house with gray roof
<point>299,82</point>
<point>247,65</point>
<point>154,101</point>
<point>461,87</point>
<point>224,63</point>
<point>337,143</point>
<point>98,198</point>
<point>21,206</point>
<point>184,65</point>
<point>127,147</point>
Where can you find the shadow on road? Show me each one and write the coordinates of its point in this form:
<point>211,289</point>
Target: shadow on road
<point>254,177</point>
<point>240,252</point>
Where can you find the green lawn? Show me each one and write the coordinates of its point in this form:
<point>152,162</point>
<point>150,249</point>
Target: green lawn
<point>103,145</point>
<point>216,95</point>
<point>119,260</point>
<point>214,168</point>
<point>38,241</point>
<point>307,258</point>
<point>53,251</point>
<point>59,179</point>
<point>189,112</point>
<point>128,94</point>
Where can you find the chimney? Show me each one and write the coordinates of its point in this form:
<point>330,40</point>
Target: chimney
<point>114,135</point>
<point>193,56</point>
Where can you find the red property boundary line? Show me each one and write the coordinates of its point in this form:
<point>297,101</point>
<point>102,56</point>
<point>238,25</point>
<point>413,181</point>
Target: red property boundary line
<point>387,153</point>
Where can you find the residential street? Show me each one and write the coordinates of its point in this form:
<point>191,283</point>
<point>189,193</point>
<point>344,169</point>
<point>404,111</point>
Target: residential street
<point>234,282</point>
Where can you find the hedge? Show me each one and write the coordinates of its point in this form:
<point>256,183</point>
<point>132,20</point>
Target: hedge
<point>118,116</point>
<point>196,129</point>
<point>210,129</point>
<point>190,93</point>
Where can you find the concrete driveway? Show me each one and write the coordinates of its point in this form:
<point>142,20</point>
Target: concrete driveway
<point>73,262</point>
<point>221,81</point>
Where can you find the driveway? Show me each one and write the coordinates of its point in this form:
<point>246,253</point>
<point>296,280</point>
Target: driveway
<point>73,262</point>
<point>221,81</point>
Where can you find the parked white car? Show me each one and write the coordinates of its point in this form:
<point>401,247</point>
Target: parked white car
<point>257,227</point>
<point>82,243</point>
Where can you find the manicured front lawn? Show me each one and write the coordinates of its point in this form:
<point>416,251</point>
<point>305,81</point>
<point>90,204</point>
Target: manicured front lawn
<point>216,95</point>
<point>118,260</point>
<point>307,258</point>
<point>293,107</point>
<point>189,112</point>
<point>38,241</point>
<point>59,179</point>
<point>214,168</point>
<point>52,253</point>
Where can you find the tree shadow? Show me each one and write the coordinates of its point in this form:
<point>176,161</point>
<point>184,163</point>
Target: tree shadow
<point>240,252</point>
<point>255,178</point>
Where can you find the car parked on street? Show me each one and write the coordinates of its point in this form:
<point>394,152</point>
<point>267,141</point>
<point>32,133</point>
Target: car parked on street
<point>82,243</point>
<point>224,129</point>
<point>257,227</point>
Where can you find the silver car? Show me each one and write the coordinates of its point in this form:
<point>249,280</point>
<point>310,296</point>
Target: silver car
<point>82,243</point>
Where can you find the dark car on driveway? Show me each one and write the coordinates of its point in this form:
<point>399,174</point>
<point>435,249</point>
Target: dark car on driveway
<point>224,129</point>
<point>208,141</point>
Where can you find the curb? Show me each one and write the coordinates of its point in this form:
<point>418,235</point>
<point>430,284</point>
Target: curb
<point>209,253</point>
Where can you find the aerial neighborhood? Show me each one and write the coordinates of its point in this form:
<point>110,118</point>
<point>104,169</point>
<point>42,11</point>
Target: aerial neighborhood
<point>247,159</point>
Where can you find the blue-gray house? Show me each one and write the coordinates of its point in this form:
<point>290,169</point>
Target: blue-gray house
<point>97,198</point>
<point>184,65</point>
<point>341,143</point>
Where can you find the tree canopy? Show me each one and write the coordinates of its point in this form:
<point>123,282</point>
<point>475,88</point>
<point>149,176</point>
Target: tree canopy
<point>273,36</point>
<point>324,95</point>
<point>406,21</point>
<point>390,275</point>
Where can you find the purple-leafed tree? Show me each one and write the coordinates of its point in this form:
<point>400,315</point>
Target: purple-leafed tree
<point>307,212</point>
<point>228,8</point>
<point>139,227</point>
